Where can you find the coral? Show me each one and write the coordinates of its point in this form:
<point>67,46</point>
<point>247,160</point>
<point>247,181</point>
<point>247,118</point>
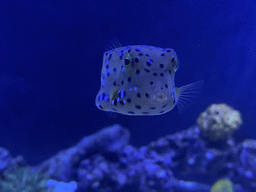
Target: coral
<point>108,163</point>
<point>223,185</point>
<point>5,159</point>
<point>218,122</point>
<point>246,166</point>
<point>22,179</point>
<point>7,162</point>
<point>191,186</point>
<point>56,186</point>
<point>184,161</point>
<point>61,167</point>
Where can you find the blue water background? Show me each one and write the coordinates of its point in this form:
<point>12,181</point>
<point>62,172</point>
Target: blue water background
<point>51,59</point>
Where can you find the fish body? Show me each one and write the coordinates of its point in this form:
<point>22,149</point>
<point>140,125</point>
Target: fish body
<point>139,80</point>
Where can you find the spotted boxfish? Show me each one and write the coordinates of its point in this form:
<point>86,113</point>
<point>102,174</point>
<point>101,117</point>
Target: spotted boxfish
<point>139,80</point>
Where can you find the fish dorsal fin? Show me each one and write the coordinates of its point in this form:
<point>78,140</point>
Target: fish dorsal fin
<point>187,94</point>
<point>112,44</point>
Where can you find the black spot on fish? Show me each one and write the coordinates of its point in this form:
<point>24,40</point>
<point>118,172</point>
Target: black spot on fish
<point>145,113</point>
<point>137,71</point>
<point>100,107</point>
<point>161,74</point>
<point>161,65</point>
<point>128,100</point>
<point>131,112</point>
<point>119,94</point>
<point>110,56</point>
<point>137,106</point>
<point>172,59</point>
<point>164,106</point>
<point>145,69</point>
<point>129,79</point>
<point>138,95</point>
<point>136,60</point>
<point>162,54</point>
<point>168,50</point>
<point>121,102</point>
<point>140,54</point>
<point>147,95</point>
<point>122,82</point>
<point>114,102</point>
<point>107,66</point>
<point>152,108</point>
<point>166,86</point>
<point>129,50</point>
<point>114,70</point>
<point>147,55</point>
<point>149,62</point>
<point>151,83</point>
<point>120,55</point>
<point>155,74</point>
<point>161,111</point>
<point>114,83</point>
<point>108,74</point>
<point>137,49</point>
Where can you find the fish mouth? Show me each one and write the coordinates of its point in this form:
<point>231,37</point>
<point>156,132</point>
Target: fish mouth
<point>160,97</point>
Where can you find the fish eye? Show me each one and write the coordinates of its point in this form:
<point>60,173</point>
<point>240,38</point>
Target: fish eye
<point>128,62</point>
<point>176,64</point>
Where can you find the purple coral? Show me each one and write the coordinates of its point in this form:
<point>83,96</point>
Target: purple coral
<point>184,161</point>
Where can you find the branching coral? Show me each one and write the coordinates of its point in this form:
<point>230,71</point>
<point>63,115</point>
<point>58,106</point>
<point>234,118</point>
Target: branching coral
<point>23,180</point>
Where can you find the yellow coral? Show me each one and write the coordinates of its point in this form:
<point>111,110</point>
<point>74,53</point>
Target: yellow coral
<point>223,185</point>
<point>219,121</point>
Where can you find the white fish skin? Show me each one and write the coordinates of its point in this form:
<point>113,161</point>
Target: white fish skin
<point>139,80</point>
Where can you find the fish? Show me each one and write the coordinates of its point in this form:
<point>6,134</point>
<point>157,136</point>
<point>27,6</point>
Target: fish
<point>139,80</point>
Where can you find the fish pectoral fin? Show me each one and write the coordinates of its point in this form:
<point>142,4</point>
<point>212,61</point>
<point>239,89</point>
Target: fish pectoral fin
<point>188,94</point>
<point>112,114</point>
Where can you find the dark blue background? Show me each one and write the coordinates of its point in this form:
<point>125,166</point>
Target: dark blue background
<point>51,58</point>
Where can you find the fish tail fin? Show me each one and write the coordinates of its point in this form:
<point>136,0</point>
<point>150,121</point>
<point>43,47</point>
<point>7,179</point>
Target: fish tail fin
<point>187,94</point>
